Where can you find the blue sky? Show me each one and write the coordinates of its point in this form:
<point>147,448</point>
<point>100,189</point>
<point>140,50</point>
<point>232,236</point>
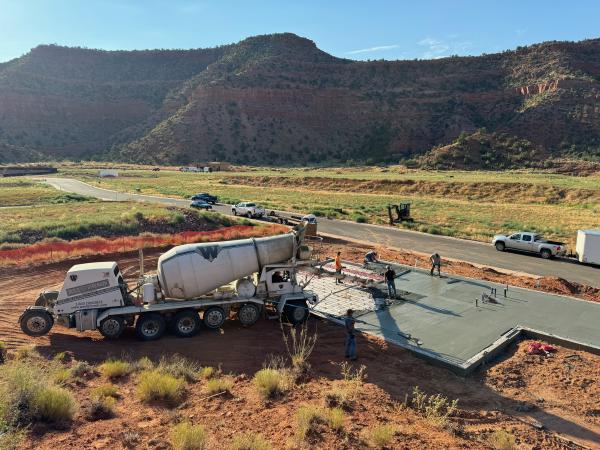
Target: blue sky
<point>367,29</point>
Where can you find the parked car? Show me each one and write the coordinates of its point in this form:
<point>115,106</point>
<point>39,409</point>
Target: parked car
<point>201,204</point>
<point>525,241</point>
<point>205,196</point>
<point>248,209</point>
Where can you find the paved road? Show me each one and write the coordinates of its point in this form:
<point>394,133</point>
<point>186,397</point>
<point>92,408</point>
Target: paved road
<point>472,251</point>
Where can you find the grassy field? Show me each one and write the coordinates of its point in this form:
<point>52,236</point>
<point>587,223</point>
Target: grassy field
<point>473,205</point>
<point>32,211</point>
<point>27,192</point>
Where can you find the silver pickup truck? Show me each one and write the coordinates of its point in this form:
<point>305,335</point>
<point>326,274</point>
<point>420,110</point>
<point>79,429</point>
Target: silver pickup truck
<point>529,242</point>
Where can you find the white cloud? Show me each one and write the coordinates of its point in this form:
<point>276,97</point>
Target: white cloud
<point>435,48</point>
<point>379,48</point>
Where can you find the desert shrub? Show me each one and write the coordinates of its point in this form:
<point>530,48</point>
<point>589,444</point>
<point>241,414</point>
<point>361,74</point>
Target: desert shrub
<point>130,439</point>
<point>307,417</point>
<point>81,369</point>
<point>335,419</point>
<point>26,352</point>
<point>11,439</point>
<point>144,363</point>
<point>115,368</point>
<point>102,408</point>
<point>53,404</point>
<point>60,357</point>
<point>344,392</point>
<point>299,345</point>
<point>381,435</point>
<point>250,442</point>
<point>179,367</point>
<point>501,440</point>
<point>105,390</point>
<point>270,382</point>
<point>360,219</point>
<point>185,436</point>
<point>218,385</point>
<point>208,372</point>
<point>61,375</point>
<point>157,386</point>
<point>436,408</point>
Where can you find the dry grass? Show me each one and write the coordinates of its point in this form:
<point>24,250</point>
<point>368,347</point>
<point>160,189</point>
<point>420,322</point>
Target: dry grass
<point>185,436</point>
<point>381,436</point>
<point>335,419</point>
<point>219,385</point>
<point>501,440</point>
<point>299,343</point>
<point>105,390</point>
<point>116,368</point>
<point>437,409</point>
<point>307,418</point>
<point>180,367</point>
<point>208,372</point>
<point>102,408</point>
<point>271,382</point>
<point>53,404</point>
<point>154,385</point>
<point>250,441</point>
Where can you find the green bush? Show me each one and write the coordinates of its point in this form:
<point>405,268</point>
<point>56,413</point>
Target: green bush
<point>217,385</point>
<point>115,368</point>
<point>360,219</point>
<point>53,404</point>
<point>185,436</point>
<point>157,386</point>
<point>270,382</point>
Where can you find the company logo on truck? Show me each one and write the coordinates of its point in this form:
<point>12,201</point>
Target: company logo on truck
<point>209,253</point>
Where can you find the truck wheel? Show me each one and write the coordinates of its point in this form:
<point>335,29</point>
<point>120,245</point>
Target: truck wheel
<point>296,312</point>
<point>214,317</point>
<point>546,254</point>
<point>150,326</point>
<point>112,327</point>
<point>248,314</point>
<point>234,211</point>
<point>249,215</point>
<point>185,323</point>
<point>36,322</point>
<point>500,246</point>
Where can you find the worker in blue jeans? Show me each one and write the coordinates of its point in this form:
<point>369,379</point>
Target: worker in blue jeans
<point>390,279</point>
<point>349,322</point>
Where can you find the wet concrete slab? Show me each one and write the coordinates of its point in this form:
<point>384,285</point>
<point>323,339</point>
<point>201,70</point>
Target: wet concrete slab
<point>446,320</point>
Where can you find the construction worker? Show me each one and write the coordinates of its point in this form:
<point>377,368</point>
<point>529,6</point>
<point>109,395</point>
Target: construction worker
<point>371,257</point>
<point>390,279</point>
<point>349,322</point>
<point>338,268</point>
<point>436,261</point>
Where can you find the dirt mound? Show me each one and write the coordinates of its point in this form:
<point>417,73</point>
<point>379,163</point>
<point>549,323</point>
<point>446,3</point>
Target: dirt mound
<point>482,191</point>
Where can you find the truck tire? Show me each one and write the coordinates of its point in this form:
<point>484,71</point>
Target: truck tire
<point>112,327</point>
<point>234,211</point>
<point>186,323</point>
<point>36,322</point>
<point>546,254</point>
<point>500,246</point>
<point>249,215</point>
<point>150,326</point>
<point>296,312</point>
<point>214,317</point>
<point>248,314</point>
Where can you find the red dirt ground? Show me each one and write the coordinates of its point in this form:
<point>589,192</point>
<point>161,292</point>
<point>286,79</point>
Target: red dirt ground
<point>488,401</point>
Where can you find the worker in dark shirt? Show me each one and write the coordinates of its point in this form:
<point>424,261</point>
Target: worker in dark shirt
<point>349,322</point>
<point>390,279</point>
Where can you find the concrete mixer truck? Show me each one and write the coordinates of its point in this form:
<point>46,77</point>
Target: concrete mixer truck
<point>194,285</point>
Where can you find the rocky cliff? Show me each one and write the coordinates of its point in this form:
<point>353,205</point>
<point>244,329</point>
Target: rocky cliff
<point>278,99</point>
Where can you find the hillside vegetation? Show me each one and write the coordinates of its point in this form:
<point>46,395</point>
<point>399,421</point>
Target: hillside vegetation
<point>279,100</point>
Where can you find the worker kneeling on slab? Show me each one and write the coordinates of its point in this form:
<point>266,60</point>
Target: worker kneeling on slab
<point>195,285</point>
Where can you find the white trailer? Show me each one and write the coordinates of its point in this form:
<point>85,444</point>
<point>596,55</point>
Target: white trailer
<point>587,247</point>
<point>192,286</point>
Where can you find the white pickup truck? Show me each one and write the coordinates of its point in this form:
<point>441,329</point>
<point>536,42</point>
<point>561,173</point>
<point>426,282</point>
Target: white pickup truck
<point>248,209</point>
<point>525,241</point>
